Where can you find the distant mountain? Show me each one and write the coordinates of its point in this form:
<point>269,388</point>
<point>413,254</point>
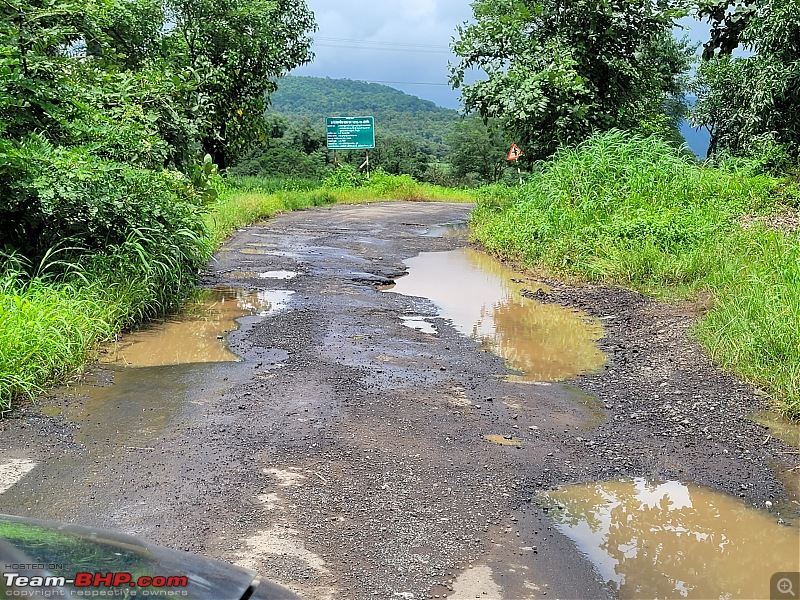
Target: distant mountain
<point>396,113</point>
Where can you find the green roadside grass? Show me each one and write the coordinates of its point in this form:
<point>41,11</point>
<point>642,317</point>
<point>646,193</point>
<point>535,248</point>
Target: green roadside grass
<point>53,322</point>
<point>635,212</point>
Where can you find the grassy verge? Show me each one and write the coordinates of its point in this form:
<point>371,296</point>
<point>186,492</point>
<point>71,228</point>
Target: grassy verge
<point>635,212</point>
<point>53,322</point>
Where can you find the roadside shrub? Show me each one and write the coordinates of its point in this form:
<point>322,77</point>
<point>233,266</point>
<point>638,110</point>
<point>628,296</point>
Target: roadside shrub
<point>49,194</point>
<point>344,177</point>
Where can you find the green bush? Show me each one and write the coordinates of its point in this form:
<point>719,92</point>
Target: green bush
<point>52,193</point>
<point>279,162</point>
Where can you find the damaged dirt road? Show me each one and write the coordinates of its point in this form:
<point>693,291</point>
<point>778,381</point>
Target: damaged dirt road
<point>346,454</point>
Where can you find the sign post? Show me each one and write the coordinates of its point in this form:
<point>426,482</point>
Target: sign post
<point>514,155</point>
<point>351,133</point>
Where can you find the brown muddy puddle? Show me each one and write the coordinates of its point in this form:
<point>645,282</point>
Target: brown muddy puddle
<point>780,427</point>
<point>673,540</point>
<point>503,440</point>
<point>483,299</point>
<point>197,336</point>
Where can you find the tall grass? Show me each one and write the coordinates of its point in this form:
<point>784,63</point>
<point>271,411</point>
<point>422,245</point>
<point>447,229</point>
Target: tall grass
<point>634,211</point>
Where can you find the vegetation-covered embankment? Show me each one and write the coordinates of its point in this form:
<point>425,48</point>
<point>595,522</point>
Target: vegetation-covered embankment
<point>54,320</point>
<point>634,211</point>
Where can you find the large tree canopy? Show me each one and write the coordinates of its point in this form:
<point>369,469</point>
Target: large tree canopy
<point>557,70</point>
<point>106,108</point>
<point>750,104</point>
<point>238,48</point>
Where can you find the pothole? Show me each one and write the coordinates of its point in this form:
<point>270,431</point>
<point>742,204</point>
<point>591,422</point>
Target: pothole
<point>670,539</point>
<point>198,335</point>
<point>484,300</point>
<point>504,440</point>
<point>419,324</point>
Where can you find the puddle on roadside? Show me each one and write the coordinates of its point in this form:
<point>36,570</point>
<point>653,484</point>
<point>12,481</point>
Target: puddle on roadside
<point>544,342</point>
<point>278,275</point>
<point>419,324</point>
<point>198,335</point>
<point>780,427</point>
<point>137,407</point>
<point>448,230</point>
<point>668,540</point>
<point>503,440</point>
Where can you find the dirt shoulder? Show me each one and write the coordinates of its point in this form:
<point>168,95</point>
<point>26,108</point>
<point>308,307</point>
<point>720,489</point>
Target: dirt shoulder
<point>345,456</point>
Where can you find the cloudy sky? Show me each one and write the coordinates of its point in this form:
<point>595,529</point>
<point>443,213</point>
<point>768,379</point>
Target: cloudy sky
<point>402,43</point>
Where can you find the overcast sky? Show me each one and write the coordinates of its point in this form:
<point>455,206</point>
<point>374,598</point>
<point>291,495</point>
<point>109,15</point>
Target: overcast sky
<point>402,43</point>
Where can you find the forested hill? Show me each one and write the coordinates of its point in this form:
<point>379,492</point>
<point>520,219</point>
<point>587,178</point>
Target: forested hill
<point>396,113</point>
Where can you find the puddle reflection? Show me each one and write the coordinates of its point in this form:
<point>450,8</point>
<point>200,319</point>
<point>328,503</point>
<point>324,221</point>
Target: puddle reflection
<point>668,540</point>
<point>544,342</point>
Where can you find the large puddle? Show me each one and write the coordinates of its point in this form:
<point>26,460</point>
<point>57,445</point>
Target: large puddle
<point>197,336</point>
<point>481,297</point>
<point>671,540</point>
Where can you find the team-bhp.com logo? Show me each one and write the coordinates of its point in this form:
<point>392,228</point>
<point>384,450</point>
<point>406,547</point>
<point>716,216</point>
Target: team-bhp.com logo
<point>92,584</point>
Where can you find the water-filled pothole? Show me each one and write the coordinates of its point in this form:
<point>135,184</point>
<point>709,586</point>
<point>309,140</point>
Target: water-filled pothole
<point>280,274</point>
<point>780,427</point>
<point>448,230</point>
<point>504,440</point>
<point>419,323</point>
<point>484,300</point>
<point>198,335</point>
<point>671,540</point>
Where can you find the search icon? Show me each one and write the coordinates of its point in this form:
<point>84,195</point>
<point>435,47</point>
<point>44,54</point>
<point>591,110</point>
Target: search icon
<point>785,586</point>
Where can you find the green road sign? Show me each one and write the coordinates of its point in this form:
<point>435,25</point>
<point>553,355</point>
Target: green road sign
<point>350,133</point>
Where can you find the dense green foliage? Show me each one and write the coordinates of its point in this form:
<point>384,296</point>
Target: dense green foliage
<point>238,47</point>
<point>633,211</point>
<point>479,149</point>
<point>750,104</point>
<point>557,71</point>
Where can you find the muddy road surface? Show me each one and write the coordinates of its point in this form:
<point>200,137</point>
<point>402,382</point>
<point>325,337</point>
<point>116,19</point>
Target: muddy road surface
<point>371,443</point>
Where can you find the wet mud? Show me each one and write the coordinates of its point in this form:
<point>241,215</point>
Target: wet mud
<point>351,454</point>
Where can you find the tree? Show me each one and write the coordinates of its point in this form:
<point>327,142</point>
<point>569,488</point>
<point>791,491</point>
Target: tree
<point>750,104</point>
<point>478,147</point>
<point>727,18</point>
<point>558,70</point>
<point>238,48</point>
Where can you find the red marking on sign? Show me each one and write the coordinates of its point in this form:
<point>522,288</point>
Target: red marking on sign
<point>514,153</point>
